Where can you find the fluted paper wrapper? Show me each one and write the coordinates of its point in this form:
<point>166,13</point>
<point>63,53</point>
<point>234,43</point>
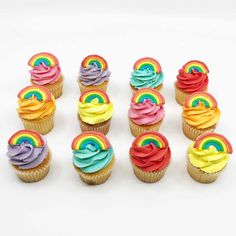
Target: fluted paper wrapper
<point>134,90</point>
<point>98,177</point>
<point>102,87</point>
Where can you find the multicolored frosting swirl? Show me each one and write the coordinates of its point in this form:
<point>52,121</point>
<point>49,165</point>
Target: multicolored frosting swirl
<point>46,69</point>
<point>35,102</point>
<point>147,73</point>
<point>150,152</point>
<point>91,151</point>
<point>27,149</point>
<point>146,107</point>
<point>193,77</point>
<point>95,107</point>
<point>200,110</point>
<point>94,70</point>
<point>210,152</point>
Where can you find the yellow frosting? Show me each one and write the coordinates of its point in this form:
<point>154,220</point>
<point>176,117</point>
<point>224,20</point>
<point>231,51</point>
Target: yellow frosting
<point>200,116</point>
<point>32,109</point>
<point>209,161</point>
<point>95,112</point>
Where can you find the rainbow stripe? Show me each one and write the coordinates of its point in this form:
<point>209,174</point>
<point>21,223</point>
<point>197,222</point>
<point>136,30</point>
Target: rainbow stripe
<point>151,137</point>
<point>44,57</point>
<point>96,139</point>
<point>199,66</point>
<point>148,93</point>
<point>148,63</point>
<point>218,141</point>
<point>91,59</point>
<point>207,99</point>
<point>90,95</point>
<point>39,92</point>
<point>27,136</point>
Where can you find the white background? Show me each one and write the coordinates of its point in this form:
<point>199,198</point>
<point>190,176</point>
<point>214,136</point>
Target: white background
<point>173,32</point>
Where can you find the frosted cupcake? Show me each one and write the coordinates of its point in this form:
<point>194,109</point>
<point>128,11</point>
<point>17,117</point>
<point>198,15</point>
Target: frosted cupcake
<point>208,157</point>
<point>46,72</point>
<point>93,157</point>
<point>36,108</point>
<point>146,111</point>
<point>147,73</point>
<point>29,155</point>
<point>150,156</point>
<point>94,74</point>
<point>191,78</point>
<point>95,111</point>
<point>200,114</point>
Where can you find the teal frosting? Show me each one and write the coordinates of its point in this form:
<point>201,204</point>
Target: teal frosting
<point>91,159</point>
<point>145,79</point>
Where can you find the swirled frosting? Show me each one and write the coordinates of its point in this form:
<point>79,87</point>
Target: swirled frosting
<point>32,109</point>
<point>150,158</point>
<point>191,82</point>
<point>209,160</point>
<point>25,156</point>
<point>146,113</point>
<point>145,79</point>
<point>95,112</point>
<point>93,75</point>
<point>92,159</point>
<point>200,116</point>
<point>43,74</point>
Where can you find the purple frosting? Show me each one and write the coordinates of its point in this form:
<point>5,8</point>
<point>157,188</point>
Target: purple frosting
<point>93,75</point>
<point>25,156</point>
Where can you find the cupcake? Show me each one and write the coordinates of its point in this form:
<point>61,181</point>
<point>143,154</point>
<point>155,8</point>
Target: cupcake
<point>95,111</point>
<point>94,74</point>
<point>207,157</point>
<point>147,73</point>
<point>191,78</point>
<point>200,114</point>
<point>29,155</point>
<point>150,156</point>
<point>146,111</point>
<point>36,108</point>
<point>93,157</point>
<point>46,72</point>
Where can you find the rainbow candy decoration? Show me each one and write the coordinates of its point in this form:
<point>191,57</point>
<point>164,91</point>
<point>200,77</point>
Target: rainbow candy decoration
<point>148,93</point>
<point>91,59</point>
<point>199,66</point>
<point>97,139</point>
<point>27,136</point>
<point>44,57</point>
<point>147,63</point>
<point>88,96</point>
<point>41,93</point>
<point>151,137</point>
<point>195,98</point>
<point>207,140</point>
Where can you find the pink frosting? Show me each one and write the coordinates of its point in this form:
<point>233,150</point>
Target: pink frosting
<point>42,74</point>
<point>146,113</point>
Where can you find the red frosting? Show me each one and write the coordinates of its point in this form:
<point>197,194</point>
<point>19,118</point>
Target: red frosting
<point>150,158</point>
<point>191,82</point>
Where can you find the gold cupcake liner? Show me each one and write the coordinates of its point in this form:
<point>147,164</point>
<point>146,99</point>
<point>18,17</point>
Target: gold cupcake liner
<point>43,126</point>
<point>98,177</point>
<point>102,87</point>
<point>138,129</point>
<point>35,174</point>
<point>192,133</point>
<point>148,177</point>
<point>102,127</point>
<point>134,90</point>
<point>201,176</point>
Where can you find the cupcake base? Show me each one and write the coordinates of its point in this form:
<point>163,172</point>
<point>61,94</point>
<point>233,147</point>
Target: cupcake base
<point>98,177</point>
<point>43,126</point>
<point>192,133</point>
<point>102,87</point>
<point>34,174</point>
<point>134,90</point>
<point>138,129</point>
